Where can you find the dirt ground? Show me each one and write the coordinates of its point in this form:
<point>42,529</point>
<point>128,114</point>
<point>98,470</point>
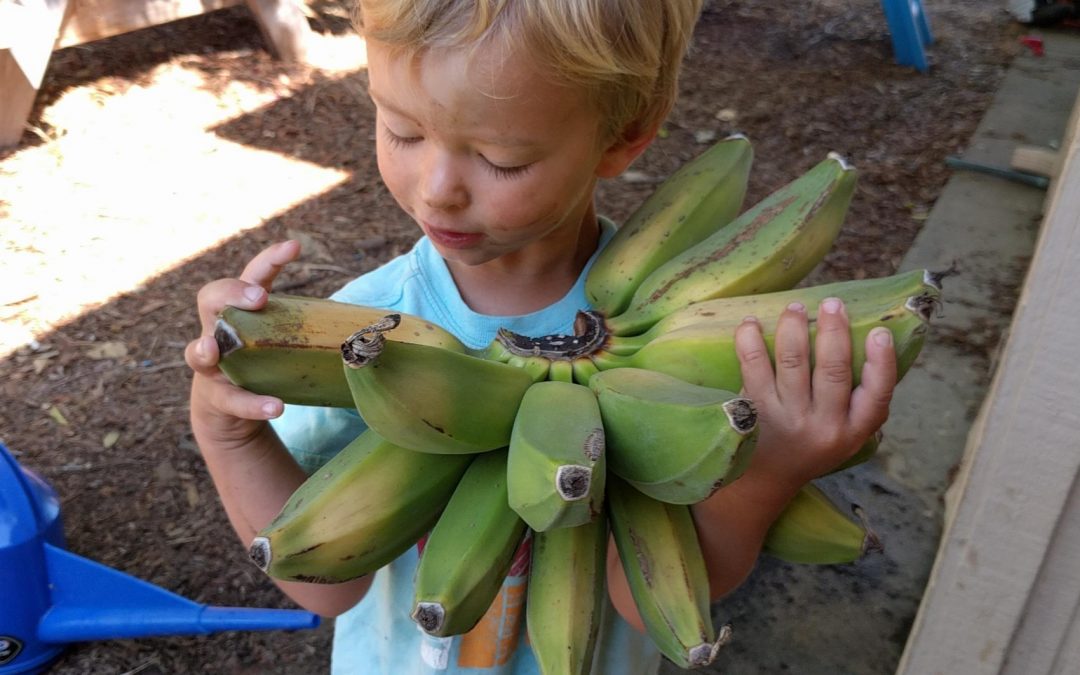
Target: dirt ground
<point>107,235</point>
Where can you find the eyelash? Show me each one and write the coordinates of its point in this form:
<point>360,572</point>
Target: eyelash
<point>502,172</point>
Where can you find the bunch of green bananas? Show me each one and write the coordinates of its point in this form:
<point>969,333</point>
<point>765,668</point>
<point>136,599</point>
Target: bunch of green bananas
<point>481,448</point>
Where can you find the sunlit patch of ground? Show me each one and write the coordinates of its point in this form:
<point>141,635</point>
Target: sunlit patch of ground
<point>105,202</point>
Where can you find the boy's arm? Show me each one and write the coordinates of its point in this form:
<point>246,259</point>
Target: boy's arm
<point>252,471</point>
<point>809,423</point>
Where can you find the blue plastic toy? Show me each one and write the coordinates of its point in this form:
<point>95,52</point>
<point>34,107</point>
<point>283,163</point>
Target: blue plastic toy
<point>910,32</point>
<point>50,597</point>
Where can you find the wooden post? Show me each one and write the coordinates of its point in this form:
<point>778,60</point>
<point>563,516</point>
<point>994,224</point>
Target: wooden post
<point>1004,594</point>
<point>284,27</point>
<point>27,36</point>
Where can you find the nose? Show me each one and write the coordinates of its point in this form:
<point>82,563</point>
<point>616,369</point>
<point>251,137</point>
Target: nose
<point>442,184</point>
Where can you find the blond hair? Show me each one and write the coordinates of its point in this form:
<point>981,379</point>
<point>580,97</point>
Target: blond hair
<point>626,54</point>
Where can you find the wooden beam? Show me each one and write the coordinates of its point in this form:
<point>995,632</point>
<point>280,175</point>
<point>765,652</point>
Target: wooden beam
<point>97,19</point>
<point>27,34</point>
<point>284,27</point>
<point>1019,471</point>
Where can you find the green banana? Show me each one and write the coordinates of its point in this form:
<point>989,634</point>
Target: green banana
<point>770,247</point>
<point>812,530</point>
<point>566,596</point>
<point>862,296</point>
<point>674,441</point>
<point>561,370</point>
<point>703,353</point>
<point>291,348</point>
<point>362,509</point>
<point>695,201</point>
<point>665,569</point>
<point>431,399</point>
<point>469,551</point>
<point>556,466</point>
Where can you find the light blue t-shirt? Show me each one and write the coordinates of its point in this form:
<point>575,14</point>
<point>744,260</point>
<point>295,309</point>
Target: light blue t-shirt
<point>377,637</point>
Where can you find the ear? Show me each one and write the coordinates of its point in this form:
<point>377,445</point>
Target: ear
<point>625,149</point>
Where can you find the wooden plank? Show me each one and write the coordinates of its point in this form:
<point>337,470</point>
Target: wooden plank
<point>28,34</point>
<point>1052,606</point>
<point>1019,469</point>
<point>1036,160</point>
<point>97,19</point>
<point>284,27</point>
<point>18,96</point>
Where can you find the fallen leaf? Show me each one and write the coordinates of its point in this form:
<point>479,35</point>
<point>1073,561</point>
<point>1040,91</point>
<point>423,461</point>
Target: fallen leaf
<point>192,494</point>
<point>58,416</point>
<point>107,350</point>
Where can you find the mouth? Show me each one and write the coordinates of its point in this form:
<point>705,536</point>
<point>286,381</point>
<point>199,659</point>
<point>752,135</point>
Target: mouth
<point>452,238</point>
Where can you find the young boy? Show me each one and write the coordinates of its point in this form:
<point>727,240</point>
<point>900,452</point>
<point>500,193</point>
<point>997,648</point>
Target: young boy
<point>495,119</point>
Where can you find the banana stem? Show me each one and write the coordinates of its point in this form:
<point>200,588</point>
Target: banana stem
<point>363,347</point>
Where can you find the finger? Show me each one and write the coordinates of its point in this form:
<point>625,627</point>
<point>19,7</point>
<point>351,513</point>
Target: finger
<point>265,266</point>
<point>792,349</point>
<point>216,295</point>
<point>757,371</point>
<point>202,356</point>
<point>228,400</point>
<point>832,361</point>
<point>870,400</point>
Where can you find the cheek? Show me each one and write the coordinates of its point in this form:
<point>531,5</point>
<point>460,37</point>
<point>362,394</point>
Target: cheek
<point>392,170</point>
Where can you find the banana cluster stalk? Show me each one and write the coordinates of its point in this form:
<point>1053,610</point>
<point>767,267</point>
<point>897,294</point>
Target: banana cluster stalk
<point>483,447</point>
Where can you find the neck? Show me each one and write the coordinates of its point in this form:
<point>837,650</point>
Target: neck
<point>531,279</point>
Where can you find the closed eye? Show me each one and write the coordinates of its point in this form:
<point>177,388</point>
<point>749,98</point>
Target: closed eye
<point>396,141</point>
<point>506,172</point>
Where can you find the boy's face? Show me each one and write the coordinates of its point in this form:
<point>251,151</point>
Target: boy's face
<point>489,158</point>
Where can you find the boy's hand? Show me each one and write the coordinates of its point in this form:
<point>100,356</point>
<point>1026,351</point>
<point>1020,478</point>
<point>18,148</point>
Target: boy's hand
<point>222,413</point>
<point>810,422</point>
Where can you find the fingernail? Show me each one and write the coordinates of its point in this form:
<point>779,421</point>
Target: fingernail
<point>797,307</point>
<point>831,305</point>
<point>882,336</point>
<point>750,319</point>
<point>253,293</point>
<point>270,410</point>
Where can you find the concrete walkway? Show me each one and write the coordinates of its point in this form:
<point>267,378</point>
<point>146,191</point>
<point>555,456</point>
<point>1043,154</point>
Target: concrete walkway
<point>855,618</point>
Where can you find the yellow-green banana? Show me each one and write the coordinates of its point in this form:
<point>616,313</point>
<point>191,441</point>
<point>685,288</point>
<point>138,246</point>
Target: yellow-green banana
<point>704,353</point>
<point>362,509</point>
<point>861,297</point>
<point>665,569</point>
<point>431,399</point>
<point>705,194</point>
<point>556,466</point>
<point>468,553</point>
<point>567,594</point>
<point>292,347</point>
<point>812,530</point>
<point>674,441</point>
<point>770,247</point>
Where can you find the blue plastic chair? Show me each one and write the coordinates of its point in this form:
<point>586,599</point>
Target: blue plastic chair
<point>910,32</point>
